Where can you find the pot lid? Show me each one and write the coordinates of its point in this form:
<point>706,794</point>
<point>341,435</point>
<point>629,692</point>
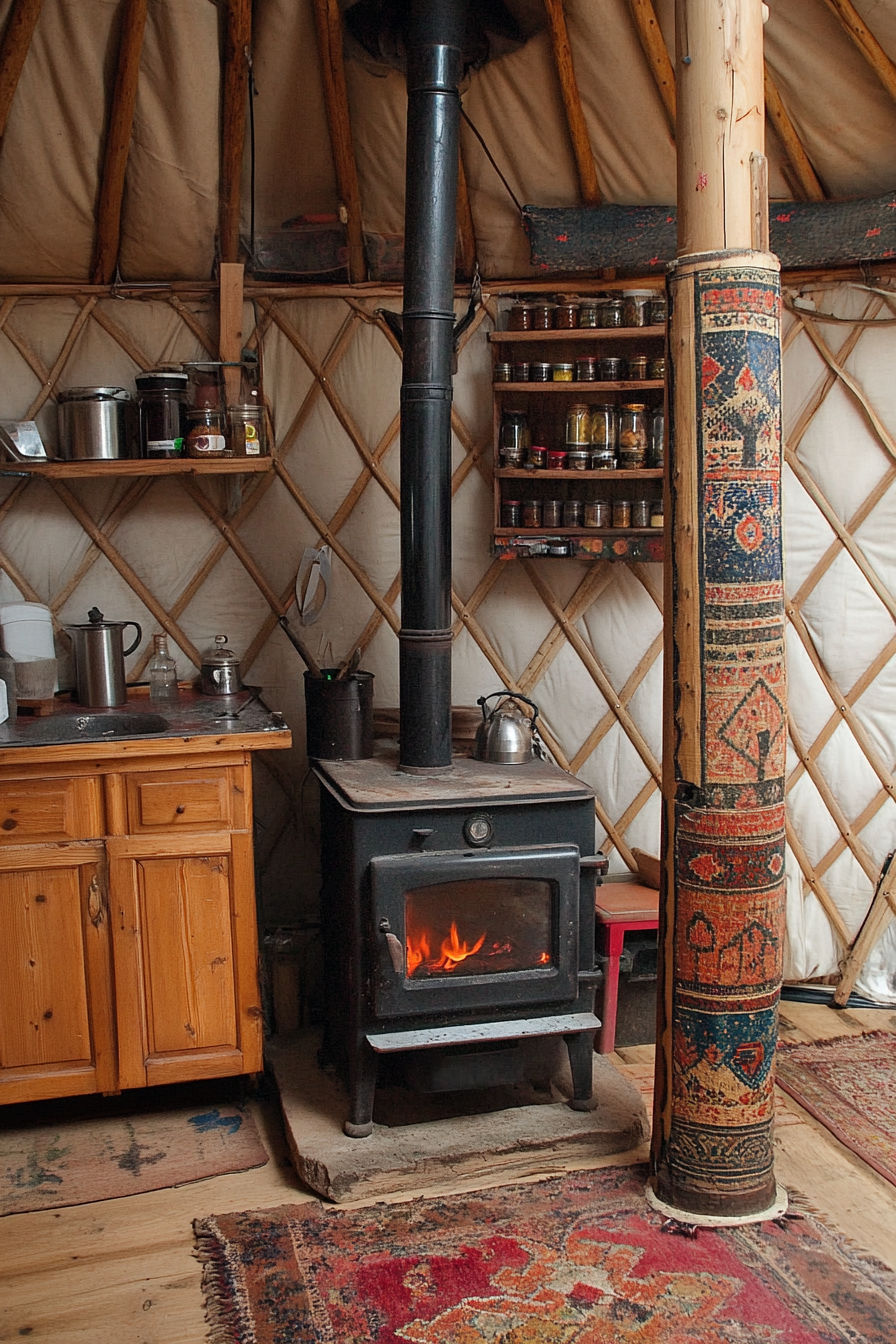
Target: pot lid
<point>94,394</point>
<point>97,621</point>
<point>220,655</point>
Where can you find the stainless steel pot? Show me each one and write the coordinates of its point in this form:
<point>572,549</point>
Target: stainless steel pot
<point>97,422</point>
<point>99,660</point>
<point>505,736</point>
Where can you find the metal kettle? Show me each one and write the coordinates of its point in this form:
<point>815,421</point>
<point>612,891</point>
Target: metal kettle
<point>99,660</point>
<point>506,736</point>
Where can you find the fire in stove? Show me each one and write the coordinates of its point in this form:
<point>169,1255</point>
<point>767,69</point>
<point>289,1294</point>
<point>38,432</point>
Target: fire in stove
<point>485,927</point>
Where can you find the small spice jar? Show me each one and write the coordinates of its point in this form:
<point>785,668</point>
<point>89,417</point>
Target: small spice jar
<point>520,317</point>
<point>586,369</point>
<point>245,430</point>
<point>562,373</point>
<point>603,459</point>
<point>544,316</point>
<point>637,368</point>
<point>656,513</point>
<point>640,513</point>
<point>656,450</point>
<point>633,435</point>
<point>603,427</point>
<point>503,373</point>
<point>537,457</point>
<point>578,425</point>
<point>657,310</point>
<point>521,372</point>
<point>610,369</point>
<point>556,459</point>
<point>539,373</point>
<point>566,314</point>
<point>572,512</point>
<point>635,304</point>
<point>579,459</point>
<point>622,513</point>
<point>656,369</point>
<point>552,513</point>
<point>205,433</point>
<point>596,513</point>
<point>511,512</point>
<point>610,313</point>
<point>531,513</point>
<point>589,313</point>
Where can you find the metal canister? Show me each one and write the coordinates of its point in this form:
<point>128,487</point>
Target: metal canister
<point>610,313</point>
<point>544,316</point>
<point>622,513</point>
<point>511,512</point>
<point>572,512</point>
<point>640,513</point>
<point>503,373</point>
<point>562,373</point>
<point>596,513</point>
<point>579,459</point>
<point>97,422</point>
<point>578,425</point>
<point>531,513</point>
<point>539,373</point>
<point>610,369</point>
<point>552,513</point>
<point>637,368</point>
<point>586,369</point>
<point>521,372</point>
<point>537,457</point>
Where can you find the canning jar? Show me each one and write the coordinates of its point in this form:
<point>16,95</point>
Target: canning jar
<point>578,425</point>
<point>503,372</point>
<point>596,513</point>
<point>637,368</point>
<point>610,369</point>
<point>520,317</point>
<point>544,316</point>
<point>657,310</point>
<point>521,372</point>
<point>603,426</point>
<point>656,451</point>
<point>539,373</point>
<point>656,513</point>
<point>567,313</point>
<point>572,512</point>
<point>640,513</point>
<point>552,513</point>
<point>537,457</point>
<point>586,369</point>
<point>635,304</point>
<point>622,513</point>
<point>511,512</point>
<point>589,313</point>
<point>515,439</point>
<point>162,402</point>
<point>245,430</point>
<point>633,435</point>
<point>610,312</point>
<point>562,373</point>
<point>579,459</point>
<point>556,459</point>
<point>603,459</point>
<point>656,368</point>
<point>531,513</point>
<point>205,433</point>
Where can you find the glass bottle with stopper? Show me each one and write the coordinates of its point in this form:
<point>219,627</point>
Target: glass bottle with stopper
<point>162,671</point>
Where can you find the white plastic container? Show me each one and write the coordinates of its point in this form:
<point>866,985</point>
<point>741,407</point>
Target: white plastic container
<point>27,631</point>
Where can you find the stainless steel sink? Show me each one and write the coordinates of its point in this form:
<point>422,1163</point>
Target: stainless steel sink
<point>87,728</point>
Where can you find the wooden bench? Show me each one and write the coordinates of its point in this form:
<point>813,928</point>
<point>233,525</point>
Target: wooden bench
<point>620,908</point>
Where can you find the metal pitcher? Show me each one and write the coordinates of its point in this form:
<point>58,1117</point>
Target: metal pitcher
<point>505,736</point>
<point>99,660</point>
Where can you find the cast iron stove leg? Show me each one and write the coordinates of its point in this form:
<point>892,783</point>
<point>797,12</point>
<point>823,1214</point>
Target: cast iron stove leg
<point>580,1045</point>
<point>362,1071</point>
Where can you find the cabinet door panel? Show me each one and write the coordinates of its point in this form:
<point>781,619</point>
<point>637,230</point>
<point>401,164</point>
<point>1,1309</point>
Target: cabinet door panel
<point>50,809</point>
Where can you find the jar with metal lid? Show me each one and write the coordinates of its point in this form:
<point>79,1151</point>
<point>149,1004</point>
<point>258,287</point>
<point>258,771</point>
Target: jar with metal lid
<point>566,316</point>
<point>640,513</point>
<point>633,435</point>
<point>657,448</point>
<point>635,307</point>
<point>596,513</point>
<point>540,373</point>
<point>205,433</point>
<point>572,512</point>
<point>515,437</point>
<point>656,368</point>
<point>219,673</point>
<point>657,310</point>
<point>521,372</point>
<point>245,431</point>
<point>656,513</point>
<point>520,317</point>
<point>503,373</point>
<point>556,459</point>
<point>511,512</point>
<point>589,313</point>
<point>537,457</point>
<point>603,459</point>
<point>578,425</point>
<point>562,373</point>
<point>531,513</point>
<point>610,369</point>
<point>602,416</point>
<point>622,513</point>
<point>586,369</point>
<point>162,403</point>
<point>579,459</point>
<point>637,368</point>
<point>610,313</point>
<point>552,513</point>
<point>544,316</point>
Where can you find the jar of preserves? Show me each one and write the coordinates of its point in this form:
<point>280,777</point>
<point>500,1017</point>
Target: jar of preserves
<point>521,372</point>
<point>552,513</point>
<point>531,513</point>
<point>511,512</point>
<point>503,373</point>
<point>162,403</point>
<point>245,431</point>
<point>633,435</point>
<point>540,373</point>
<point>596,513</point>
<point>562,373</point>
<point>515,437</point>
<point>622,513</point>
<point>537,457</point>
<point>205,433</point>
<point>566,313</point>
<point>572,512</point>
<point>657,310</point>
<point>589,313</point>
<point>520,317</point>
<point>586,369</point>
<point>640,513</point>
<point>556,459</point>
<point>635,306</point>
<point>603,427</point>
<point>610,369</point>
<point>578,425</point>
<point>637,368</point>
<point>657,449</point>
<point>610,313</point>
<point>544,316</point>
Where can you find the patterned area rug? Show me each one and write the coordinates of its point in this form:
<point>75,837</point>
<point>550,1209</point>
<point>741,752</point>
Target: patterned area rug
<point>575,1260</point>
<point>48,1166</point>
<point>849,1084</point>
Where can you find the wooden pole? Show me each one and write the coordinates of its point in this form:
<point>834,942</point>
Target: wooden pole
<point>118,142</point>
<point>13,50</point>
<point>237,56</point>
<point>725,713</point>
<point>572,104</point>
<point>657,53</point>
<point>328,17</point>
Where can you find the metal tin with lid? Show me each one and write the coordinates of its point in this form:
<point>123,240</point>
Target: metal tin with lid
<point>96,422</point>
<point>220,670</point>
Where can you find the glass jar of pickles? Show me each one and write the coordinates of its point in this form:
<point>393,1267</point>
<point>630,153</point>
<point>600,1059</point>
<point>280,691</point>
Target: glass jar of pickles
<point>632,435</point>
<point>603,427</point>
<point>578,426</point>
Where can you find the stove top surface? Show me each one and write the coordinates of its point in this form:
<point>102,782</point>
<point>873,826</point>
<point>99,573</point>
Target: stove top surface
<point>376,784</point>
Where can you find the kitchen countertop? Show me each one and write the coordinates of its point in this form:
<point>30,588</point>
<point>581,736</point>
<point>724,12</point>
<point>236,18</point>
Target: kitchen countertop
<point>194,723</point>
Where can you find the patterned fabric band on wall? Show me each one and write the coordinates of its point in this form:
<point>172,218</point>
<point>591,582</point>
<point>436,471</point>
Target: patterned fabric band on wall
<point>730,734</point>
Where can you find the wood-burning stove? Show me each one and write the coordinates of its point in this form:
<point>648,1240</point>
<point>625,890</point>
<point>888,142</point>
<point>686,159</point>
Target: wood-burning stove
<point>457,911</point>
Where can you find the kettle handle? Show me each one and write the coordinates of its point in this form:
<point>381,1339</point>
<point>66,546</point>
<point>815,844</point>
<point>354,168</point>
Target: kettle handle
<point>139,636</point>
<point>511,695</point>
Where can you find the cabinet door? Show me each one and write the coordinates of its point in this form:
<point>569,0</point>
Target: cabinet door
<point>185,957</point>
<point>56,1022</point>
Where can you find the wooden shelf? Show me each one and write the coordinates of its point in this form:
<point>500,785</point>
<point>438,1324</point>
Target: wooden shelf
<point>647,384</point>
<point>545,533</point>
<point>575,334</point>
<point>175,466</point>
<point>544,473</point>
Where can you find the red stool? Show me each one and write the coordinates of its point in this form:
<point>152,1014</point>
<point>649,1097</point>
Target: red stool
<point>620,908</point>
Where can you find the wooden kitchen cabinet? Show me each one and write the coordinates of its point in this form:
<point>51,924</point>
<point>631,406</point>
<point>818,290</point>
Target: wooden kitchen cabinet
<point>128,956</point>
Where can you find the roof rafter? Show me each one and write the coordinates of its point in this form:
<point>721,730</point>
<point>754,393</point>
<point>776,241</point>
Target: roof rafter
<point>798,160</point>
<point>657,53</point>
<point>13,50</point>
<point>572,104</point>
<point>118,142</point>
<point>866,42</point>
<point>328,17</point>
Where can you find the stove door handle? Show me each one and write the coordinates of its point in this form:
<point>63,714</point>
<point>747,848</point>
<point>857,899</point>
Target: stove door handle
<point>396,952</point>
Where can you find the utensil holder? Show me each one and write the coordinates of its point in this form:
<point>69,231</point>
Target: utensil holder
<point>339,716</point>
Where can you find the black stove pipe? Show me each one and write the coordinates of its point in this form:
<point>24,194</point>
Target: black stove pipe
<point>434,68</point>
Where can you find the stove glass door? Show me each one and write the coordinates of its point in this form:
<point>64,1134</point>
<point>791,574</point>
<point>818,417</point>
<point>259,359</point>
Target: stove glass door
<point>481,927</point>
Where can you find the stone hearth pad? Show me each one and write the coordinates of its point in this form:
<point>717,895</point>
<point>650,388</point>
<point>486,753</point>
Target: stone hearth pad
<point>513,1143</point>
